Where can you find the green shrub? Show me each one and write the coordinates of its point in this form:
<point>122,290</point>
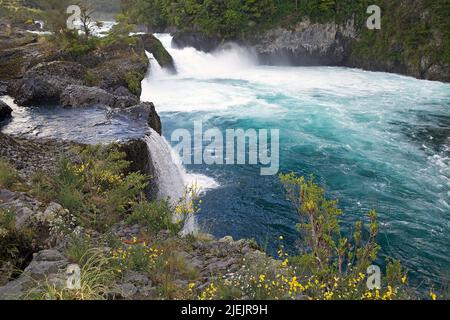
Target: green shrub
<point>42,186</point>
<point>93,185</point>
<point>92,79</point>
<point>156,216</point>
<point>77,247</point>
<point>74,44</point>
<point>133,80</point>
<point>96,281</point>
<point>15,246</point>
<point>8,175</point>
<point>135,256</point>
<point>328,252</point>
<point>119,35</point>
<point>328,265</point>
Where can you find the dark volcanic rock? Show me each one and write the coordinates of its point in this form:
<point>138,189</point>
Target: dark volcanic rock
<point>197,40</point>
<point>19,51</point>
<point>28,156</point>
<point>307,44</point>
<point>3,88</point>
<point>144,111</point>
<point>45,82</point>
<point>139,156</point>
<point>46,264</point>
<point>82,96</point>
<point>5,110</point>
<point>32,155</point>
<point>122,91</point>
<point>119,67</point>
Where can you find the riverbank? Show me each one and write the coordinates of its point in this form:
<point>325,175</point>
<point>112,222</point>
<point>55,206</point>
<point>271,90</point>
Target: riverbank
<point>412,40</point>
<point>142,258</point>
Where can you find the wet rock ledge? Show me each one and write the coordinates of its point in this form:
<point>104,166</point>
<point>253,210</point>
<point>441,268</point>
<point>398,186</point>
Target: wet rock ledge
<point>33,71</point>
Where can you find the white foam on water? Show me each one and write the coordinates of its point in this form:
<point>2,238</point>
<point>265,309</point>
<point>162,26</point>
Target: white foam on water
<point>171,175</point>
<point>172,178</point>
<point>231,77</point>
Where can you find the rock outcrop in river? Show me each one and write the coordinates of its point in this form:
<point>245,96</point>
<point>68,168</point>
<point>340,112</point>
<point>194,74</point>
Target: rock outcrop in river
<point>306,44</point>
<point>34,72</point>
<point>309,43</point>
<point>5,111</point>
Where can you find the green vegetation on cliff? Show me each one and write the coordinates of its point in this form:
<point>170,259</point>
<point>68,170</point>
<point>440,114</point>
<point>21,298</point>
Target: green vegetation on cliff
<point>414,38</point>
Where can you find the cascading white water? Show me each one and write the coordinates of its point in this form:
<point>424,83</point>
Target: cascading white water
<point>169,174</point>
<point>171,177</point>
<point>192,89</point>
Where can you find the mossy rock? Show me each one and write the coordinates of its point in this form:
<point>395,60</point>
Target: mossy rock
<point>155,47</point>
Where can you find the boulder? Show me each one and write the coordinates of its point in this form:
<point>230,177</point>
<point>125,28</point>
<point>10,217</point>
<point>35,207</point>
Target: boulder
<point>126,69</point>
<point>227,239</point>
<point>53,211</point>
<point>82,96</point>
<point>5,111</point>
<point>127,290</point>
<point>137,279</point>
<point>24,207</point>
<point>46,264</point>
<point>162,56</point>
<point>122,91</point>
<point>45,82</point>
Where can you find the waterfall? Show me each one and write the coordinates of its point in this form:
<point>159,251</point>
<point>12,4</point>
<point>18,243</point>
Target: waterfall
<point>171,177</point>
<point>168,171</point>
<point>195,69</point>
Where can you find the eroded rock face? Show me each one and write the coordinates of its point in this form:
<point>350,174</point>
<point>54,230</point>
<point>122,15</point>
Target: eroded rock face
<point>196,40</point>
<point>46,264</point>
<point>114,68</point>
<point>28,156</point>
<point>34,72</point>
<point>144,111</point>
<point>20,51</point>
<point>83,96</point>
<point>5,111</point>
<point>307,44</point>
<point>141,161</point>
<point>23,206</point>
<point>401,64</point>
<point>45,82</point>
<point>3,88</point>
